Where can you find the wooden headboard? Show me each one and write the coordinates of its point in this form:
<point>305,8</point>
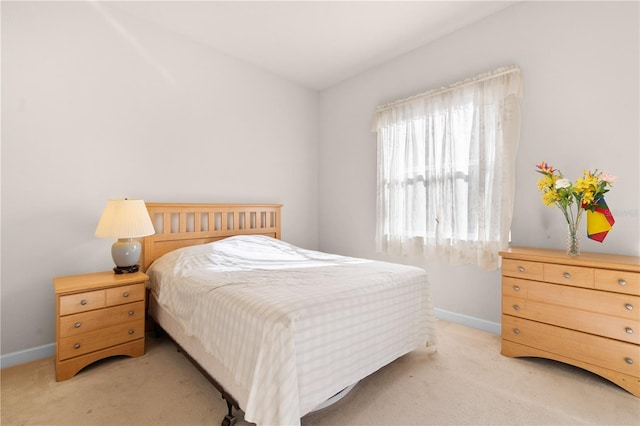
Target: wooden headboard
<point>180,225</point>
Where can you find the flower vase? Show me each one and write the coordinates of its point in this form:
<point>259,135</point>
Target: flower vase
<point>573,240</point>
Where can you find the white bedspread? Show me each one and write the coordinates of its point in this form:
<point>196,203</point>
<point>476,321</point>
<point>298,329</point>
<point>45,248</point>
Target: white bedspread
<point>293,326</point>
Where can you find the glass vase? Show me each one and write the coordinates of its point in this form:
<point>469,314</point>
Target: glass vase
<point>573,240</point>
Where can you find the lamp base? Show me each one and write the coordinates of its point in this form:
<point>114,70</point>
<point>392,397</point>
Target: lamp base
<point>126,251</point>
<point>126,269</point>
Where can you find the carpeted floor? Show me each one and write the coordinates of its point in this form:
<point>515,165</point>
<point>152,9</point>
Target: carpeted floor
<point>467,382</point>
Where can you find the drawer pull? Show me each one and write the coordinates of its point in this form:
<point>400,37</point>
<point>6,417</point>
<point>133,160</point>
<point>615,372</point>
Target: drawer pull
<point>516,288</point>
<point>516,331</point>
<point>520,269</point>
<point>131,331</point>
<point>131,313</point>
<point>622,282</point>
<point>566,275</point>
<point>629,307</point>
<point>76,346</point>
<point>629,330</point>
<point>628,361</point>
<point>77,325</point>
<point>516,307</point>
<point>125,294</point>
<point>83,302</point>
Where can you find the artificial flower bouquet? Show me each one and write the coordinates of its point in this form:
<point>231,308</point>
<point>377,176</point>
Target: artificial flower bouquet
<point>572,198</point>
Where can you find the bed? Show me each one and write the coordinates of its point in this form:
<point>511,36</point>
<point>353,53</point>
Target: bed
<point>279,329</point>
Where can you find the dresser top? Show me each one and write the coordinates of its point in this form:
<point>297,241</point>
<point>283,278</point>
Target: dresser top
<point>597,260</point>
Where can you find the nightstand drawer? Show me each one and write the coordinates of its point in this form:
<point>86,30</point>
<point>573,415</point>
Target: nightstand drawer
<point>125,294</point>
<point>522,269</point>
<point>618,281</point>
<point>576,276</point>
<point>612,354</point>
<point>85,322</point>
<point>73,346</point>
<point>82,302</point>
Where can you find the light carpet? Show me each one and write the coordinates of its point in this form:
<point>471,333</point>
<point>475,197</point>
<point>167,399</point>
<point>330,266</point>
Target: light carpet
<point>466,382</point>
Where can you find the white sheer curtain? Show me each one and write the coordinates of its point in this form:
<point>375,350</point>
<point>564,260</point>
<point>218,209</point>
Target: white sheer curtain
<point>446,170</point>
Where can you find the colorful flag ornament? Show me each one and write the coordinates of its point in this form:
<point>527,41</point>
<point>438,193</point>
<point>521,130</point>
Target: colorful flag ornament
<point>599,221</point>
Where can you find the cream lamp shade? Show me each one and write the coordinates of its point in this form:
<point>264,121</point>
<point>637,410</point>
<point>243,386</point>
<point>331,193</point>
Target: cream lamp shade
<point>125,219</point>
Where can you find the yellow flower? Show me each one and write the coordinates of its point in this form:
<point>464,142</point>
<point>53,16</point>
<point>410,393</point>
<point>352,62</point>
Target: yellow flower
<point>542,184</point>
<point>546,182</point>
<point>587,186</point>
<point>550,197</point>
<point>587,197</point>
<point>584,184</point>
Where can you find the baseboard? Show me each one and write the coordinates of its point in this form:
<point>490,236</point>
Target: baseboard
<point>480,324</point>
<point>27,355</point>
<point>45,351</point>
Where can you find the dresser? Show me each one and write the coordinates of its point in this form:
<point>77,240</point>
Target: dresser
<point>97,316</point>
<point>582,310</point>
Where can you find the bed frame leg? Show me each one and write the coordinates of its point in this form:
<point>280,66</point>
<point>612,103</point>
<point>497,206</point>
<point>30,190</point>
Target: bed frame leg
<point>229,419</point>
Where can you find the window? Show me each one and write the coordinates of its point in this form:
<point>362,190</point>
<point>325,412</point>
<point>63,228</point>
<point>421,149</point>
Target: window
<point>446,161</point>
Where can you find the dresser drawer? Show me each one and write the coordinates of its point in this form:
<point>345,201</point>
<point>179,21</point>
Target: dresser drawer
<point>522,269</point>
<point>85,322</point>
<point>610,304</point>
<point>569,275</point>
<point>81,344</point>
<point>618,281</point>
<point>125,294</point>
<point>82,302</point>
<point>612,354</point>
<point>588,322</point>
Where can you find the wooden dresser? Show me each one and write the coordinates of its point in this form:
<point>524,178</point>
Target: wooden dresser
<point>97,316</point>
<point>583,310</point>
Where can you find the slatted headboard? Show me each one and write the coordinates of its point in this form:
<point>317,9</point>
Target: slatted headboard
<point>180,225</point>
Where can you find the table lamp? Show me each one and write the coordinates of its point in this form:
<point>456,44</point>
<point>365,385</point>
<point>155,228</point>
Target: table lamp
<point>125,219</point>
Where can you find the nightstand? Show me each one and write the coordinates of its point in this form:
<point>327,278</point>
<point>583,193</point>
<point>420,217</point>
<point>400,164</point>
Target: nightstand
<point>97,316</point>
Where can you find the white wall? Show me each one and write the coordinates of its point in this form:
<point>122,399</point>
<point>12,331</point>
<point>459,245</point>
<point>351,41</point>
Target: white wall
<point>579,62</point>
<point>97,106</point>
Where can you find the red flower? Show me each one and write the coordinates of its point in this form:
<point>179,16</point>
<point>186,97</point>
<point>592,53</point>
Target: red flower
<point>544,168</point>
